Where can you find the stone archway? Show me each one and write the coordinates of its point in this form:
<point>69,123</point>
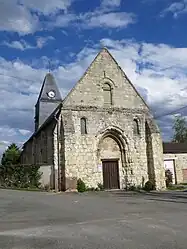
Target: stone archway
<point>109,148</point>
<point>112,152</point>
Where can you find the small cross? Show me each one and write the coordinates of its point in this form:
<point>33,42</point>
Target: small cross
<point>49,66</point>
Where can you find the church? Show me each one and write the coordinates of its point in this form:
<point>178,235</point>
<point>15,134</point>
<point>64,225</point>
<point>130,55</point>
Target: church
<point>102,132</point>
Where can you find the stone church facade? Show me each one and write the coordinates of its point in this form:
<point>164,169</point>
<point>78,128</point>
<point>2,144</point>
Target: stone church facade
<point>102,132</point>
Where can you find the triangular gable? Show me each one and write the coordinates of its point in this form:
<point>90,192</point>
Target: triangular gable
<point>80,95</point>
<point>127,77</point>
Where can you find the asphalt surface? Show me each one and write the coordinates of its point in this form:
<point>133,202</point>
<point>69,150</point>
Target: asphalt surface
<point>32,220</point>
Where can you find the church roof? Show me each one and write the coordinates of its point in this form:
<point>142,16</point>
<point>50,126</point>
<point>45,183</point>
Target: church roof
<point>174,148</point>
<point>54,114</point>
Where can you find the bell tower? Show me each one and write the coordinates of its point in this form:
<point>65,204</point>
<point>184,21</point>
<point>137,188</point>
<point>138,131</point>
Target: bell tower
<point>49,98</point>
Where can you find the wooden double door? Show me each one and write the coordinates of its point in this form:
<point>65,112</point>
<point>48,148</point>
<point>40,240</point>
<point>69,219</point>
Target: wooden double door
<point>111,174</point>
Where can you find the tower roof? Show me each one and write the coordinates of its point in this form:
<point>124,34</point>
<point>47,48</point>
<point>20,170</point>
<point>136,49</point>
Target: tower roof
<point>49,84</point>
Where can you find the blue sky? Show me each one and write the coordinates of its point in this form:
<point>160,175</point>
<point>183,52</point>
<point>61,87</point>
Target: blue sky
<point>147,37</point>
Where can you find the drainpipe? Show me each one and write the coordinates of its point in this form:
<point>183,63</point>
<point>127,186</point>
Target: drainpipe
<point>57,176</point>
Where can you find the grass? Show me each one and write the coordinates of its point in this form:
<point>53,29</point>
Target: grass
<point>176,187</point>
<point>24,189</point>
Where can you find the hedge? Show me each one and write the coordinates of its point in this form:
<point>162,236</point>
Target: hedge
<point>20,176</point>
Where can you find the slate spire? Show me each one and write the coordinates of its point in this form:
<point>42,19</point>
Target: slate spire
<point>49,98</point>
<point>49,84</point>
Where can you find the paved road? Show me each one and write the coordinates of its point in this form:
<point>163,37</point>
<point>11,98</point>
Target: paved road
<point>30,220</point>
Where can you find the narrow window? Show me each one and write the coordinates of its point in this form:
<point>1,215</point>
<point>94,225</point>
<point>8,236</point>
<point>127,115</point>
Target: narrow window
<point>107,91</point>
<point>83,126</point>
<point>136,129</point>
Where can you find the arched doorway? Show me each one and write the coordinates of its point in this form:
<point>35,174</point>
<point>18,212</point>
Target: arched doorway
<point>111,154</point>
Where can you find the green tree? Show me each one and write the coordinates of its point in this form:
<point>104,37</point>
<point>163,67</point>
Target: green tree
<point>180,130</point>
<point>13,174</point>
<point>11,156</point>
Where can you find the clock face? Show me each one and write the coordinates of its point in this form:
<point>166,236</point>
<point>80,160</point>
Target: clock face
<point>51,94</point>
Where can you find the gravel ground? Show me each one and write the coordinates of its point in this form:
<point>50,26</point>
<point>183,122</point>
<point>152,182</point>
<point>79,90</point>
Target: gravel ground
<point>107,220</point>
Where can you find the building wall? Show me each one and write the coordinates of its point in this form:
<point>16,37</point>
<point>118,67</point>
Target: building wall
<point>180,163</point>
<point>87,99</point>
<point>27,155</point>
<point>81,155</point>
<point>47,176</point>
<point>89,90</point>
<point>82,158</point>
<point>39,151</point>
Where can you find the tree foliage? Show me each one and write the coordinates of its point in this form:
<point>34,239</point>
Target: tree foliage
<point>169,177</point>
<point>81,186</point>
<point>180,130</point>
<point>11,156</point>
<point>13,174</point>
<point>149,186</point>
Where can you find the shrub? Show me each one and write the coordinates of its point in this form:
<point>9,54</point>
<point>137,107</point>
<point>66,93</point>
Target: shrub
<point>169,177</point>
<point>183,183</point>
<point>19,176</point>
<point>149,186</point>
<point>131,187</point>
<point>139,187</point>
<point>81,186</point>
<point>100,186</point>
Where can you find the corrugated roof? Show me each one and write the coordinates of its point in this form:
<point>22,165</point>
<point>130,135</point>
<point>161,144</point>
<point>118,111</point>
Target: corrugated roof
<point>175,148</point>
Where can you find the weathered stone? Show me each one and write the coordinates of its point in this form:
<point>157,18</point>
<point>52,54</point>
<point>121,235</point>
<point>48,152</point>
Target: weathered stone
<point>110,116</point>
<point>180,164</point>
<point>115,122</point>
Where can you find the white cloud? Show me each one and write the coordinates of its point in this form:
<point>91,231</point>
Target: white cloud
<point>42,41</point>
<point>99,18</point>
<point>106,16</point>
<point>176,8</point>
<point>24,15</point>
<point>11,135</point>
<point>109,20</point>
<point>24,132</point>
<point>47,7</point>
<point>19,18</point>
<point>23,45</point>
<point>111,3</point>
<point>62,20</point>
<point>96,19</point>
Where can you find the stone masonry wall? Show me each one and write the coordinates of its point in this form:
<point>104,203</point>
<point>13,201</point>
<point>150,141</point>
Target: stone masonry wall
<point>158,161</point>
<point>180,163</point>
<point>81,157</point>
<point>116,115</point>
<point>89,90</point>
